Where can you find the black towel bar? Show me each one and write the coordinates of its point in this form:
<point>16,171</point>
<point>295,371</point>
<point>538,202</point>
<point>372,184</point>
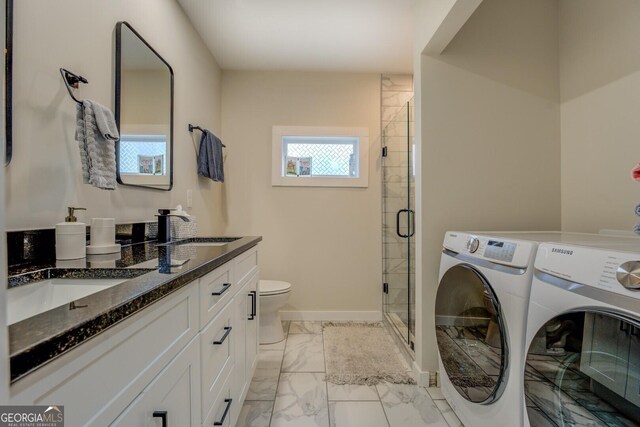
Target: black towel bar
<point>192,128</point>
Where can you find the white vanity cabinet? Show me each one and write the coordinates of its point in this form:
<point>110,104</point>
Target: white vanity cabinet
<point>246,342</point>
<point>188,359</point>
<point>253,340</point>
<point>217,354</point>
<point>172,398</point>
<point>230,342</point>
<point>99,379</point>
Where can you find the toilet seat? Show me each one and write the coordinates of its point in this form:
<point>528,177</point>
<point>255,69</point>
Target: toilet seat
<point>273,287</point>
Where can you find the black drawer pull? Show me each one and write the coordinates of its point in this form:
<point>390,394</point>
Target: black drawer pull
<point>224,415</point>
<point>227,330</point>
<point>254,298</point>
<point>163,416</point>
<point>225,288</point>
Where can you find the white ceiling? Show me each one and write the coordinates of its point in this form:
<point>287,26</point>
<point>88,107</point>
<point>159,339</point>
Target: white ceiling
<point>311,35</point>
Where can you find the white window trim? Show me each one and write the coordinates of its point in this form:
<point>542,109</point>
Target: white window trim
<point>277,180</point>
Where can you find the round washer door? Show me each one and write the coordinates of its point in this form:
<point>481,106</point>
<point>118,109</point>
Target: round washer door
<point>471,334</point>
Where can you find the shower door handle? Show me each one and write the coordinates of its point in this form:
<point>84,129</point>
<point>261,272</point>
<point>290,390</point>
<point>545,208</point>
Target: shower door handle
<point>398,223</point>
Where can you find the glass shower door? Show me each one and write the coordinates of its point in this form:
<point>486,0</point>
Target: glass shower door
<point>399,223</point>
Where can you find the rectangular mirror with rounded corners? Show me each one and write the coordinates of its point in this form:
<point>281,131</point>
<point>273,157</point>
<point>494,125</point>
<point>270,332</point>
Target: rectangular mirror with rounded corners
<point>144,112</point>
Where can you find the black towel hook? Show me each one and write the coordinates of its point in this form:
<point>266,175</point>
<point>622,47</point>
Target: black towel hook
<point>193,127</point>
<point>72,80</point>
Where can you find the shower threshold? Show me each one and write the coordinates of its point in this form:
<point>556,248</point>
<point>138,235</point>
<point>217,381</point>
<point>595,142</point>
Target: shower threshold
<point>401,331</point>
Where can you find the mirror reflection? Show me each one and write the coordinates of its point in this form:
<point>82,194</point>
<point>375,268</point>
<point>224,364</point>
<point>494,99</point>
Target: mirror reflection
<point>144,112</point>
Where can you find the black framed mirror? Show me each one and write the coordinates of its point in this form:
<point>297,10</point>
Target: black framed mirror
<point>143,112</point>
<point>8,71</point>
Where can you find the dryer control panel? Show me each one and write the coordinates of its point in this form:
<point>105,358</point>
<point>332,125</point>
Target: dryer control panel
<point>611,270</point>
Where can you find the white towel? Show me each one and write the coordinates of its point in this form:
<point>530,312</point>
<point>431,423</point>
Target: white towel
<point>96,133</point>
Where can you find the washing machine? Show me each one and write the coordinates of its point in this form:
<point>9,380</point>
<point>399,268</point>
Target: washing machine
<point>480,315</point>
<point>582,365</point>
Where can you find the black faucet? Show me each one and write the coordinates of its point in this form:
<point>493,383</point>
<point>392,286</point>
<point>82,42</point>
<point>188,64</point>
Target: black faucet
<point>164,224</point>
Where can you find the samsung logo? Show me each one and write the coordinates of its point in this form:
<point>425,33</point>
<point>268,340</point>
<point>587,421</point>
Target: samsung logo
<point>561,251</point>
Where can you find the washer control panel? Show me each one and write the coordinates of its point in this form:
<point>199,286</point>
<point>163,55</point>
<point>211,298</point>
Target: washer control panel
<point>510,252</point>
<point>500,250</point>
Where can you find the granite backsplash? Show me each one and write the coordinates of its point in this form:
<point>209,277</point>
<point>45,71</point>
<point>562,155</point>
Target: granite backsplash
<point>29,250</point>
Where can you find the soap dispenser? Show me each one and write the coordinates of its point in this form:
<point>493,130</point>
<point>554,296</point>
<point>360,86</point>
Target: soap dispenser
<point>71,237</point>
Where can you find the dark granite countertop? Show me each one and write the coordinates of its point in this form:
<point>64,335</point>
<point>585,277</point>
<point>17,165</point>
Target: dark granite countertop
<point>43,337</point>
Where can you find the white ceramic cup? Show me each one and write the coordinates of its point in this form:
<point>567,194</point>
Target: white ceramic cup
<point>103,231</point>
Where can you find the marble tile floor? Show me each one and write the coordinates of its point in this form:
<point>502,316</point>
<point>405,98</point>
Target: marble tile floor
<point>288,390</point>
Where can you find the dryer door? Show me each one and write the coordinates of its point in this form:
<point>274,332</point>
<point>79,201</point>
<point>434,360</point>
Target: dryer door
<point>471,334</point>
<point>583,368</point>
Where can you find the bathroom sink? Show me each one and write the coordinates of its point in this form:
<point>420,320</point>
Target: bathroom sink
<point>208,241</point>
<point>204,241</point>
<point>28,300</point>
<point>206,244</point>
<point>152,263</point>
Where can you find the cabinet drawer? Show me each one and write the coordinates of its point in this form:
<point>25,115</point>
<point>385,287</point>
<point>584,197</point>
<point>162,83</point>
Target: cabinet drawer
<point>175,391</point>
<point>246,264</point>
<point>217,342</point>
<point>223,406</point>
<point>216,290</point>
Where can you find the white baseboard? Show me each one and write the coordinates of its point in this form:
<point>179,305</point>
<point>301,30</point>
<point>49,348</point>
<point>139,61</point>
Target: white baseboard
<point>423,378</point>
<point>370,316</point>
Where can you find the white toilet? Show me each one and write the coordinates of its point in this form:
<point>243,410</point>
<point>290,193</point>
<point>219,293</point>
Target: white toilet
<point>273,296</point>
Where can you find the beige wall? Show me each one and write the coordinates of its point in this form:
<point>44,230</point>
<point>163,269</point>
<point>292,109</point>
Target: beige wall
<point>325,241</point>
<point>44,176</point>
<point>512,42</point>
<point>429,15</point>
<point>490,135</point>
<point>600,81</point>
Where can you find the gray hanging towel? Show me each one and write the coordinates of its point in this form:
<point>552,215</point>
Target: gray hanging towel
<point>210,157</point>
<point>96,133</point>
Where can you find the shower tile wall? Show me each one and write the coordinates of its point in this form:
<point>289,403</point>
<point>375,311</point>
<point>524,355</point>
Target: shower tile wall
<point>396,91</point>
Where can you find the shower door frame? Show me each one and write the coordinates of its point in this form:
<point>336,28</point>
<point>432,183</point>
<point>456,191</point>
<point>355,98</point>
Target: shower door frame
<point>408,213</point>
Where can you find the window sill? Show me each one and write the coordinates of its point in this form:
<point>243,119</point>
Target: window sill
<point>310,181</point>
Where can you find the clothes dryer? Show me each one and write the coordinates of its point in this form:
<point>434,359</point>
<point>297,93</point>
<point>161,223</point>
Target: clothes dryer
<point>585,300</point>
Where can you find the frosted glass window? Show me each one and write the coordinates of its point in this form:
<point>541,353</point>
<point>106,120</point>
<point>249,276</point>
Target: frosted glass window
<point>333,156</point>
<point>319,156</point>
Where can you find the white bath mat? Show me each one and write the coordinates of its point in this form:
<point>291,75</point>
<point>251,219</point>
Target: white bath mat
<point>362,353</point>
